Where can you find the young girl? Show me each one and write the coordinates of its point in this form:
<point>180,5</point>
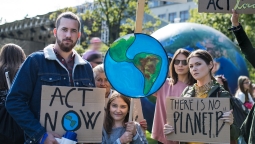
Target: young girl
<point>117,129</point>
<point>243,93</point>
<point>180,78</point>
<point>201,63</point>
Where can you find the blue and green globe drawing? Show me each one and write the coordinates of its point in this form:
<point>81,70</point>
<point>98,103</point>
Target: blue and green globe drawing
<point>71,121</point>
<point>136,65</point>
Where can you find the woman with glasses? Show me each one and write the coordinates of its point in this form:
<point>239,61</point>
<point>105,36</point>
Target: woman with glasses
<point>95,59</point>
<point>243,91</point>
<point>180,78</point>
<point>200,64</point>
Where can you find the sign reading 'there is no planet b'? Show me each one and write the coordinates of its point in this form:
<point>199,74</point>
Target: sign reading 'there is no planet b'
<point>198,120</point>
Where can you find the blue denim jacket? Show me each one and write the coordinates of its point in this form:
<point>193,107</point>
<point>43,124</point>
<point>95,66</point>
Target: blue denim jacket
<point>41,68</point>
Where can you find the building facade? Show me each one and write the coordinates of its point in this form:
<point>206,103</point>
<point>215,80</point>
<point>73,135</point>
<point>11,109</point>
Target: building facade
<point>172,12</point>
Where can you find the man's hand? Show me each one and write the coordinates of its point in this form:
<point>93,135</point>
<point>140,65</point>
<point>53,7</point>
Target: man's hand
<point>234,18</point>
<point>126,137</point>
<point>50,139</point>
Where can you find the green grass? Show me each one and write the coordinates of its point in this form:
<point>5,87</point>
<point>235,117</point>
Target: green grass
<point>149,139</point>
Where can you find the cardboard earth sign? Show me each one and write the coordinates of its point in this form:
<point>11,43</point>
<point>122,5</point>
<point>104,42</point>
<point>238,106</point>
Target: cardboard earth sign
<point>78,109</point>
<point>226,6</point>
<point>198,120</point>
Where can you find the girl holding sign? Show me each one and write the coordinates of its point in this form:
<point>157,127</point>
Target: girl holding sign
<point>117,129</point>
<point>180,78</point>
<point>200,63</point>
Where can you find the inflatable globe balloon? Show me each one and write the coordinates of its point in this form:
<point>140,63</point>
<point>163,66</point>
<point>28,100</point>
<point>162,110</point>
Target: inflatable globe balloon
<point>191,36</point>
<point>136,65</point>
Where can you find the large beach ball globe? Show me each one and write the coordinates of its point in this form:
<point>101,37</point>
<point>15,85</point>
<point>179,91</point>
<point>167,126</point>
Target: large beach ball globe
<point>136,65</point>
<point>191,36</point>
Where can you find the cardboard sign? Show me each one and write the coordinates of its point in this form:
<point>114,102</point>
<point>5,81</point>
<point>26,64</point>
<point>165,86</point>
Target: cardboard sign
<point>78,109</point>
<point>177,1</point>
<point>198,120</point>
<point>226,6</point>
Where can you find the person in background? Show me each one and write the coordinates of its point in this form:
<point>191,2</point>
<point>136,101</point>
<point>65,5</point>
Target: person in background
<point>95,45</point>
<point>95,59</point>
<point>200,64</point>
<point>101,80</point>
<point>116,128</point>
<point>180,78</point>
<point>243,92</point>
<point>56,65</point>
<point>248,126</point>
<point>223,82</point>
<point>253,91</point>
<point>11,57</point>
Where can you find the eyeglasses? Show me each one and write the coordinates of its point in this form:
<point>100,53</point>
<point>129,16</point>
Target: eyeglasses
<point>98,62</point>
<point>247,82</point>
<point>177,62</point>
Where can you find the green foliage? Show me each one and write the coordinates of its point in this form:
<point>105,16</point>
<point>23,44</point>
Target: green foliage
<point>118,15</point>
<point>222,22</point>
<point>104,48</point>
<point>80,50</point>
<point>149,139</point>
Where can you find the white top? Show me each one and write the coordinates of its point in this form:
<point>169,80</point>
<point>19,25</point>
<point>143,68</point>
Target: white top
<point>240,95</point>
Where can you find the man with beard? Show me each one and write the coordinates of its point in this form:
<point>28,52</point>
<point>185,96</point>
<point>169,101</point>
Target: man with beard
<point>56,65</point>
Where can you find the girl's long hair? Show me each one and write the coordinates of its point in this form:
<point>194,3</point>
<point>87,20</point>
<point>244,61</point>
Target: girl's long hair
<point>11,57</point>
<point>173,74</point>
<point>241,80</point>
<point>108,120</point>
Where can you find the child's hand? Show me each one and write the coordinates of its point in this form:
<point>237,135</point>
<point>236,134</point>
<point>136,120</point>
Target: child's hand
<point>126,137</point>
<point>143,124</point>
<point>168,129</point>
<point>131,127</point>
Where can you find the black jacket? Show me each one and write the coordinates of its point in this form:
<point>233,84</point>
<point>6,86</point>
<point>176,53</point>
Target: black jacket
<point>248,127</point>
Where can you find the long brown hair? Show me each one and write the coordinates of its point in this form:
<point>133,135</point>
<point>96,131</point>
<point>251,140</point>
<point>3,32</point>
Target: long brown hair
<point>205,56</point>
<point>240,82</point>
<point>173,73</point>
<point>108,120</point>
<point>11,57</point>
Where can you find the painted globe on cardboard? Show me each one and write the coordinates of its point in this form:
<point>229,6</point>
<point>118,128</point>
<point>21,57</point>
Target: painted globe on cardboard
<point>136,65</point>
<point>192,36</point>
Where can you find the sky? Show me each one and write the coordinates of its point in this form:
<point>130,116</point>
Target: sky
<point>11,10</point>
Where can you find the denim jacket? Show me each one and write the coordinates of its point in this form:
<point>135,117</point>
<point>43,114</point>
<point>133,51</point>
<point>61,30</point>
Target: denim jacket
<point>41,68</point>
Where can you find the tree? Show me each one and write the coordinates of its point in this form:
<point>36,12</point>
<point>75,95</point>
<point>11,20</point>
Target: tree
<point>118,15</point>
<point>222,22</point>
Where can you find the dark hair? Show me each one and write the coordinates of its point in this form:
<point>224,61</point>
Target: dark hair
<point>11,57</point>
<point>241,80</point>
<point>108,120</point>
<point>224,81</point>
<point>172,71</point>
<point>205,56</point>
<point>93,57</point>
<point>68,15</point>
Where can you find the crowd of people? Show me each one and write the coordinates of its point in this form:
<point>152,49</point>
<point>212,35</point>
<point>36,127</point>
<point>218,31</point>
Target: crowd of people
<point>60,65</point>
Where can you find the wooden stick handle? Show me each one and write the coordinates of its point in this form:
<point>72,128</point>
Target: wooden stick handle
<point>130,117</point>
<point>139,16</point>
